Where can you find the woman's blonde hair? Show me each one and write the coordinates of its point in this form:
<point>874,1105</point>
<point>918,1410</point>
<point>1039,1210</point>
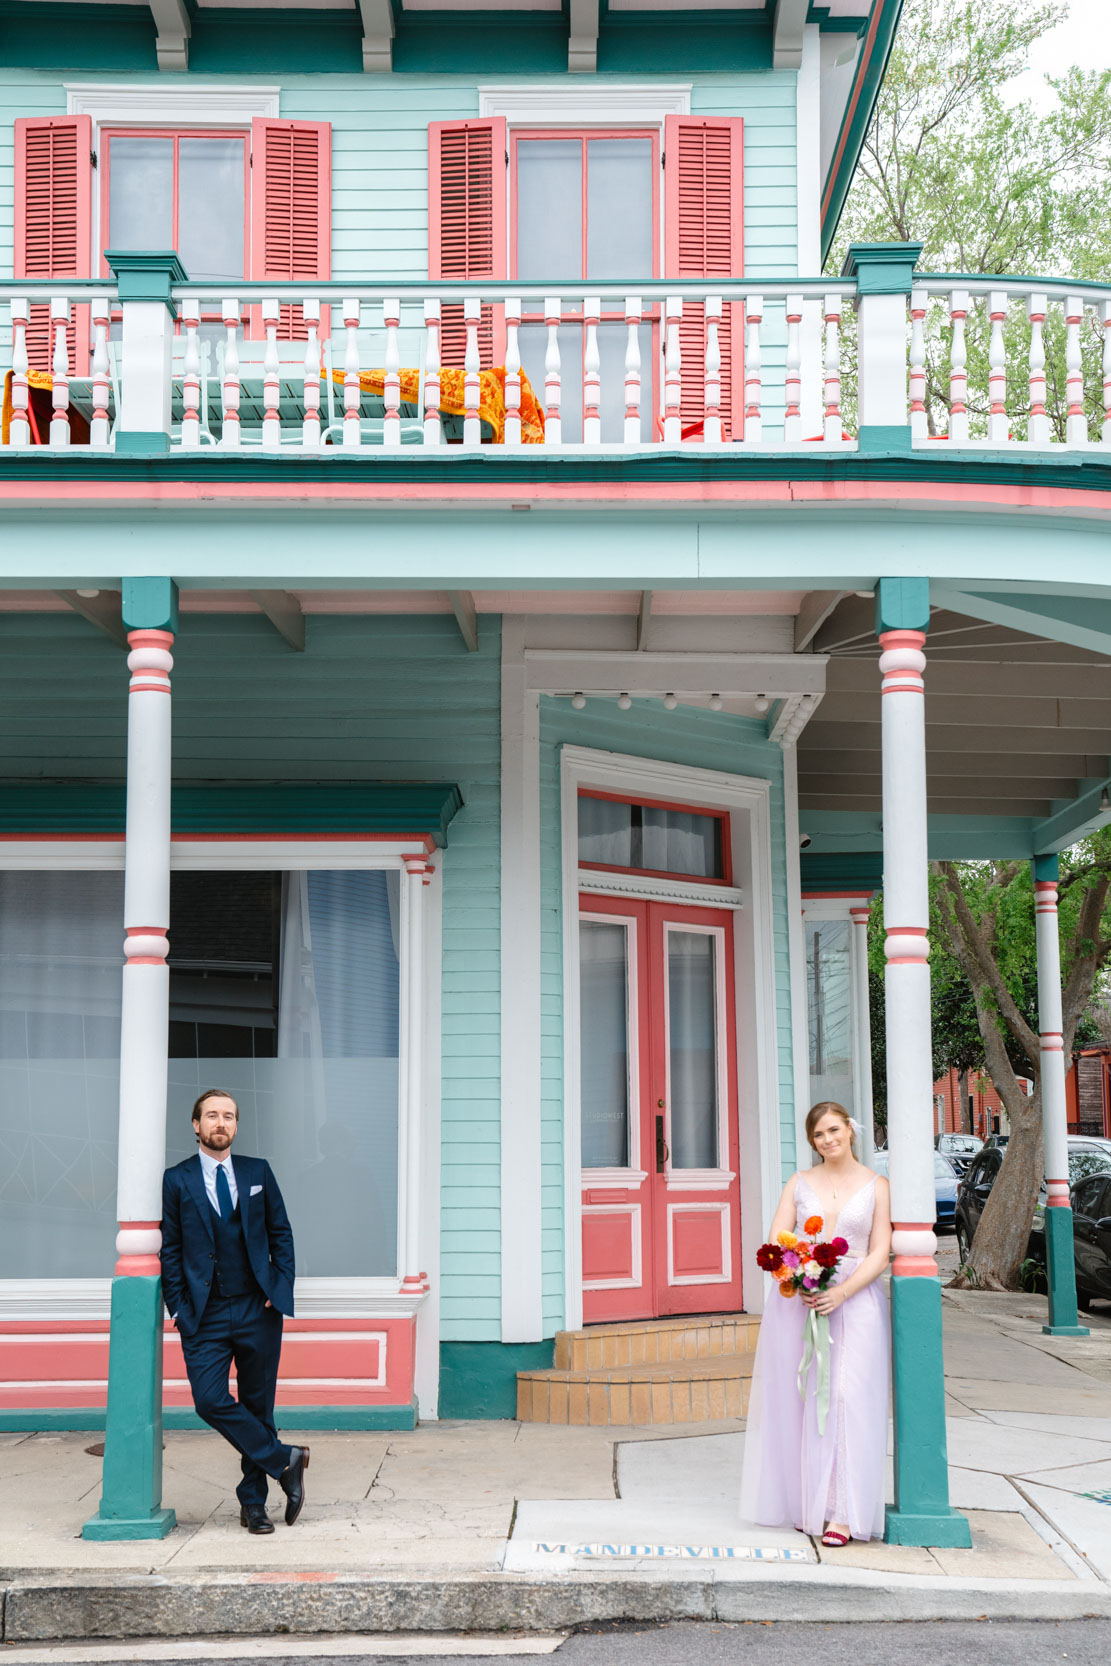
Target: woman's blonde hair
<point>827,1107</point>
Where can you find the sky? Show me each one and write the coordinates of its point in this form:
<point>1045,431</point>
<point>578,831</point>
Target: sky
<point>1085,38</point>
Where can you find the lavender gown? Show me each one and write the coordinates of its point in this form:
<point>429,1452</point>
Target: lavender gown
<point>793,1475</point>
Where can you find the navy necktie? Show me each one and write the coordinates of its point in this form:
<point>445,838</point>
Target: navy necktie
<point>223,1192</point>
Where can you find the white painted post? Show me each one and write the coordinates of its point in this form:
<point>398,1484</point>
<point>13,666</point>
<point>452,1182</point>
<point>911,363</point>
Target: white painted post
<point>271,377</point>
<point>792,416</point>
<point>99,424</point>
<point>919,420</point>
<point>1076,425</point>
<point>191,376</point>
<point>862,1028</point>
<point>352,391</point>
<point>998,427</point>
<point>1036,308</point>
<point>472,383</point>
<point>634,312</point>
<point>310,427</point>
<point>391,318</point>
<point>417,872</point>
<point>20,433</point>
<point>553,386</point>
<point>592,372</point>
<point>145,284</point>
<point>754,421</point>
<point>432,431</point>
<point>230,434</point>
<point>711,421</point>
<point>832,314</point>
<point>673,371</point>
<point>959,303</point>
<point>59,322</point>
<point>882,362</point>
<point>512,372</point>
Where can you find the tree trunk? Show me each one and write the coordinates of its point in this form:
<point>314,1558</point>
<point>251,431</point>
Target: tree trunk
<point>964,1118</point>
<point>999,1246</point>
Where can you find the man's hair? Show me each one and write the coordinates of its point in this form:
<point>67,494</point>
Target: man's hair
<point>214,1093</point>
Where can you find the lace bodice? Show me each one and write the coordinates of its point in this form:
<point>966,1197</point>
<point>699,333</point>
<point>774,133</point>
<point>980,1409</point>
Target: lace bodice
<point>854,1222</point>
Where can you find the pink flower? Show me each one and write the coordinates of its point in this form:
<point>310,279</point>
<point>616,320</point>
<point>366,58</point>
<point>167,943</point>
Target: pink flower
<point>841,1245</point>
<point>809,1283</point>
<point>791,1258</point>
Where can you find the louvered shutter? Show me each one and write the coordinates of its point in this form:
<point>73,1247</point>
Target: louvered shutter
<point>53,222</point>
<point>466,223</point>
<point>291,209</point>
<point>704,238</point>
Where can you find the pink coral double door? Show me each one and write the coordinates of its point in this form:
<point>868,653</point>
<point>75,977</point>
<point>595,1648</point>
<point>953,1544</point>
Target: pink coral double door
<point>659,1134</point>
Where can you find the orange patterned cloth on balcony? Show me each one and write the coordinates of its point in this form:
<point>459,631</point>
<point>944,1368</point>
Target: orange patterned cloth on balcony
<point>491,397</point>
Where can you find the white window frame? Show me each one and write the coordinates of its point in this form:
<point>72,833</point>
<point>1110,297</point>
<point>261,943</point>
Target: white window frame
<point>747,800</point>
<point>316,1298</point>
<point>814,910</point>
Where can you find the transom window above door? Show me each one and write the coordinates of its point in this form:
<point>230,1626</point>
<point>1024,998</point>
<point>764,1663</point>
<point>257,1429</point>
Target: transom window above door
<point>186,191</point>
<point>632,837</point>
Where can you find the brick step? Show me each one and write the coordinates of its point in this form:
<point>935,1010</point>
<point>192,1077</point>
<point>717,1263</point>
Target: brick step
<point>655,1341</point>
<point>675,1391</point>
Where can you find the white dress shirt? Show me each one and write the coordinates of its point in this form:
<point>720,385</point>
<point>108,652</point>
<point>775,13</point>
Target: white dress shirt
<point>209,1165</point>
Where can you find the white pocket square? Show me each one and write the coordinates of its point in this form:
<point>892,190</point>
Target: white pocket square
<point>255,1190</point>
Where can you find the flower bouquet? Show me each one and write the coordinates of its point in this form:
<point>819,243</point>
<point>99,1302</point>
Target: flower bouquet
<point>807,1263</point>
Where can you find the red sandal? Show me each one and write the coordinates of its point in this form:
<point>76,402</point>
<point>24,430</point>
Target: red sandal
<point>835,1541</point>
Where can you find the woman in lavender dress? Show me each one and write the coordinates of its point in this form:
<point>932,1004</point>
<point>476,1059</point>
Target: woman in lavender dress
<point>830,1484</point>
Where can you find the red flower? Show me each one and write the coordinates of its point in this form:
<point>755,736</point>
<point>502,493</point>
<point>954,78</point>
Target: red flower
<point>770,1257</point>
<point>825,1255</point>
<point>840,1246</point>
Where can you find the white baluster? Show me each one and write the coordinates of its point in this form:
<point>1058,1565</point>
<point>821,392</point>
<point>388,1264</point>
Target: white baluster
<point>1036,309</point>
<point>832,424</point>
<point>673,371</point>
<point>20,433</point>
<point>1107,372</point>
<point>1076,425</point>
<point>754,421</point>
<point>592,373</point>
<point>998,426</point>
<point>711,422</point>
<point>271,377</point>
<point>310,428</point>
<point>919,422</point>
<point>191,376</point>
<point>553,386</point>
<point>634,312</point>
<point>99,423</point>
<point>472,385</point>
<point>792,418</point>
<point>352,391</point>
<point>230,315</point>
<point>432,431</point>
<point>59,421</point>
<point>959,302</point>
<point>391,318</point>
<point>512,372</point>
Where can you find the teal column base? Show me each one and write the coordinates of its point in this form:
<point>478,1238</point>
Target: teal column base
<point>1060,1267</point>
<point>131,1500</point>
<point>136,442</point>
<point>878,437</point>
<point>921,1514</point>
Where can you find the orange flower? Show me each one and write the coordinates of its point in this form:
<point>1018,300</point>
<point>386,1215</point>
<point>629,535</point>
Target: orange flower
<point>787,1290</point>
<point>813,1225</point>
<point>787,1240</point>
<point>781,1274</point>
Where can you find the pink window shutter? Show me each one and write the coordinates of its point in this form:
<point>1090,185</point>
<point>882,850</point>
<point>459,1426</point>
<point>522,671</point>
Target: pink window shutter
<point>704,238</point>
<point>467,174</point>
<point>53,222</point>
<point>291,210</point>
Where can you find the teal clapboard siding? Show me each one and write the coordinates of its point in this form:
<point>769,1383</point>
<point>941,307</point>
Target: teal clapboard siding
<point>703,740</point>
<point>380,156</point>
<point>371,699</point>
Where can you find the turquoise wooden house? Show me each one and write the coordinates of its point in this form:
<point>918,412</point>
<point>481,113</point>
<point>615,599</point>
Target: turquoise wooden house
<point>454,540</point>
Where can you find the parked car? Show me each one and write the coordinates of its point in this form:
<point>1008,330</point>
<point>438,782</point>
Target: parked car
<point>960,1149</point>
<point>946,1180</point>
<point>997,1141</point>
<point>1086,1157</point>
<point>1091,1228</point>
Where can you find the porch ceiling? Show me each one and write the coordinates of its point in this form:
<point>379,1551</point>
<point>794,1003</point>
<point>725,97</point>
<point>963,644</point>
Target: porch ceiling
<point>1016,725</point>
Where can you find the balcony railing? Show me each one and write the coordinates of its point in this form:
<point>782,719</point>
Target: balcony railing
<point>815,365</point>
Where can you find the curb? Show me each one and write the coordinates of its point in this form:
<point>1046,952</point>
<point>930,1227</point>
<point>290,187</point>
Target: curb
<point>60,1609</point>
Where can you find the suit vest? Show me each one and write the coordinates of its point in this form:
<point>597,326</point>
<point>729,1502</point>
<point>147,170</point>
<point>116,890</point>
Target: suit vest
<point>233,1268</point>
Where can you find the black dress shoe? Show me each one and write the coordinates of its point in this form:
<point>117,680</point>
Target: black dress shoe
<point>292,1483</point>
<point>254,1518</point>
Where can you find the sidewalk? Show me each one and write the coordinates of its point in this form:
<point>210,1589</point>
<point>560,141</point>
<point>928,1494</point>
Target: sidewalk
<point>460,1526</point>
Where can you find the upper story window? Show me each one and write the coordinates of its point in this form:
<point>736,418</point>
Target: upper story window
<point>186,191</point>
<point>631,837</point>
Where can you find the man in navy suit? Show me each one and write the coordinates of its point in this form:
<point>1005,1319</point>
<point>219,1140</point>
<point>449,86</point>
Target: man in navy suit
<point>227,1278</point>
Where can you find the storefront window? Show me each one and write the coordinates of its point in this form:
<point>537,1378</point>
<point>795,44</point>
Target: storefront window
<point>829,1004</point>
<point>284,989</point>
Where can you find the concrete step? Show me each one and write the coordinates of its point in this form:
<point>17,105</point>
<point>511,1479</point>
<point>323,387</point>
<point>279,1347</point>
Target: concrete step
<point>655,1341</point>
<point>668,1392</point>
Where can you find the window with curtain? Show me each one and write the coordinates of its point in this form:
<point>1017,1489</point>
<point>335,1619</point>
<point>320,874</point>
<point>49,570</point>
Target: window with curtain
<point>650,838</point>
<point>284,989</point>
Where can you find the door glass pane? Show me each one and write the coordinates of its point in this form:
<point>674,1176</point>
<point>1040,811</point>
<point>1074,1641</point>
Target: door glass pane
<point>604,1039</point>
<point>549,208</point>
<point>829,1010</point>
<point>677,842</point>
<point>692,1049</point>
<point>210,207</point>
<point>141,193</point>
<point>619,208</point>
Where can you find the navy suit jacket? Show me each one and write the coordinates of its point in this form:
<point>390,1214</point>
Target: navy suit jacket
<point>188,1238</point>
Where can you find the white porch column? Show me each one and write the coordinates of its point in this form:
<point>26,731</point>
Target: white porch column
<point>921,1514</point>
<point>862,1030</point>
<point>417,872</point>
<point>144,279</point>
